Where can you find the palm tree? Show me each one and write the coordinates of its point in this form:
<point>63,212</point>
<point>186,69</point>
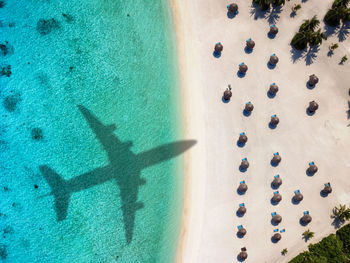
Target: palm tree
<point>265,4</point>
<point>338,12</point>
<point>308,234</point>
<point>333,47</point>
<point>284,252</point>
<point>342,213</point>
<point>310,24</point>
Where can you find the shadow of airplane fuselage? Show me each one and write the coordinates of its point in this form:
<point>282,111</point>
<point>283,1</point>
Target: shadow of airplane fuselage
<point>124,167</point>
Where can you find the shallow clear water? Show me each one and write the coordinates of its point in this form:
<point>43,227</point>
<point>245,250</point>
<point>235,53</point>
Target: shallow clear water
<point>116,59</point>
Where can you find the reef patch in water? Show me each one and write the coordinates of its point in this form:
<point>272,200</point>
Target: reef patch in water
<point>37,134</point>
<point>6,71</point>
<point>45,27</point>
<point>10,102</point>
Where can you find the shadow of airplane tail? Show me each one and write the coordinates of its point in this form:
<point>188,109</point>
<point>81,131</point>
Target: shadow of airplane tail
<point>58,190</point>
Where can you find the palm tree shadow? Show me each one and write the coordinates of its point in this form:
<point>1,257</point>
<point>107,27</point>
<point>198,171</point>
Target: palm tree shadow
<point>296,54</point>
<point>311,55</point>
<point>257,12</point>
<point>273,15</point>
<point>342,31</point>
<point>124,167</point>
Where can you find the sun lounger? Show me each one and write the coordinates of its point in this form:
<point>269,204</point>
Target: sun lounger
<point>276,153</point>
<point>273,213</point>
<point>242,182</point>
<point>296,191</point>
<point>276,192</point>
<point>241,205</point>
<point>275,230</point>
<point>311,163</point>
<point>306,212</point>
<point>283,230</point>
<point>277,176</point>
<point>239,227</point>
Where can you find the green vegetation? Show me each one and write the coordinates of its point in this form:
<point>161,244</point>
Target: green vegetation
<point>308,234</point>
<point>265,4</point>
<point>342,213</point>
<point>307,34</point>
<point>338,12</point>
<point>332,249</point>
<point>333,47</point>
<point>296,7</point>
<point>284,251</point>
<point>342,61</point>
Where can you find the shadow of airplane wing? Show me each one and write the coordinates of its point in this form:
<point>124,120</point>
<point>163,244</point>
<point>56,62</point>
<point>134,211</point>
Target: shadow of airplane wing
<point>163,153</point>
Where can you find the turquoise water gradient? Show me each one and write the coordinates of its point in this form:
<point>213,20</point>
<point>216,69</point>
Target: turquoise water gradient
<point>120,67</point>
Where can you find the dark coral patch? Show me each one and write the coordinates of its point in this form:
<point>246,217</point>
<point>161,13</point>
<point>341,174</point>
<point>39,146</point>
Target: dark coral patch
<point>68,17</point>
<point>3,252</point>
<point>6,48</point>
<point>45,27</point>
<point>2,4</point>
<point>10,102</point>
<point>37,134</point>
<point>6,71</point>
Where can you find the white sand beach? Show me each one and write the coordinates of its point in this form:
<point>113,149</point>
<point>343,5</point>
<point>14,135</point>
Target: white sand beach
<point>212,174</point>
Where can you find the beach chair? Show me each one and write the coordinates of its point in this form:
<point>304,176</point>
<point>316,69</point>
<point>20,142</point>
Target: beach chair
<point>306,212</point>
<point>273,25</point>
<point>297,192</point>
<point>248,102</point>
<point>327,184</point>
<point>277,176</point>
<point>241,64</point>
<point>275,230</point>
<point>282,230</point>
<point>273,54</point>
<point>273,84</point>
<point>248,39</point>
<point>311,163</point>
<point>239,227</point>
<point>276,192</point>
<point>273,214</point>
<point>244,159</point>
<point>241,205</point>
<point>276,153</point>
<point>273,116</point>
<point>242,182</point>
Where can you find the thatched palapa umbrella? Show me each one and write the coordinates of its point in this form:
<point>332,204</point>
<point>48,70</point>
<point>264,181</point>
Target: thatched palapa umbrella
<point>218,47</point>
<point>242,138</point>
<point>276,159</point>
<point>327,189</point>
<point>273,29</point>
<point>244,164</point>
<point>250,43</point>
<point>277,198</point>
<point>243,68</point>
<point>277,237</point>
<point>273,88</point>
<point>243,255</point>
<point>273,59</point>
<point>298,197</point>
<point>277,182</point>
<point>242,232</point>
<point>274,120</point>
<point>242,210</point>
<point>312,168</point>
<point>227,94</point>
<point>277,219</point>
<point>242,188</point>
<point>313,106</point>
<point>313,80</point>
<point>233,8</point>
<point>249,107</point>
<point>306,219</point>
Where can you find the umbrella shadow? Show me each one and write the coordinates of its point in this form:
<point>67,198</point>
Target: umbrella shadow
<point>323,193</point>
<point>248,113</point>
<point>273,202</point>
<point>248,50</point>
<point>239,214</point>
<point>124,167</point>
<point>225,101</point>
<point>239,192</point>
<point>271,66</point>
<point>308,86</point>
<point>310,113</point>
<point>294,202</point>
<point>274,223</point>
<point>274,240</point>
<point>272,126</point>
<point>257,12</point>
<point>275,187</point>
<point>270,95</point>
<point>311,54</point>
<point>273,164</point>
<point>239,235</point>
<point>239,144</point>
<point>240,74</point>
<point>231,15</point>
<point>308,173</point>
<point>302,223</point>
<point>216,54</point>
<point>242,169</point>
<point>239,259</point>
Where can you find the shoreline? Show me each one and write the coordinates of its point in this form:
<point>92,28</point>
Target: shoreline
<point>208,224</point>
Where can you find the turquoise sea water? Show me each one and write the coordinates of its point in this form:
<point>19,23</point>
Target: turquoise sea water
<point>116,59</point>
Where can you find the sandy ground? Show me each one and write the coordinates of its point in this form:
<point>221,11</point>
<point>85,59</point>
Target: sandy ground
<point>212,167</point>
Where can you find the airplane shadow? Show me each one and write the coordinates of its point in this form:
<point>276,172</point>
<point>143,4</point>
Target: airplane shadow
<point>124,166</point>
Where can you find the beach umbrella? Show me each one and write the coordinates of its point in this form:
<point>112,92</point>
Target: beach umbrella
<point>227,94</point>
<point>242,188</point>
<point>273,88</point>
<point>277,219</point>
<point>242,139</point>
<point>243,255</point>
<point>306,219</point>
<point>243,68</point>
<point>242,232</point>
<point>277,237</point>
<point>276,159</point>
<point>242,210</point>
<point>244,164</point>
<point>312,169</point>
<point>249,107</point>
<point>274,120</point>
<point>273,29</point>
<point>313,80</point>
<point>277,198</point>
<point>277,182</point>
<point>273,59</point>
<point>218,47</point>
<point>233,8</point>
<point>327,189</point>
<point>313,106</point>
<point>250,43</point>
<point>298,197</point>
